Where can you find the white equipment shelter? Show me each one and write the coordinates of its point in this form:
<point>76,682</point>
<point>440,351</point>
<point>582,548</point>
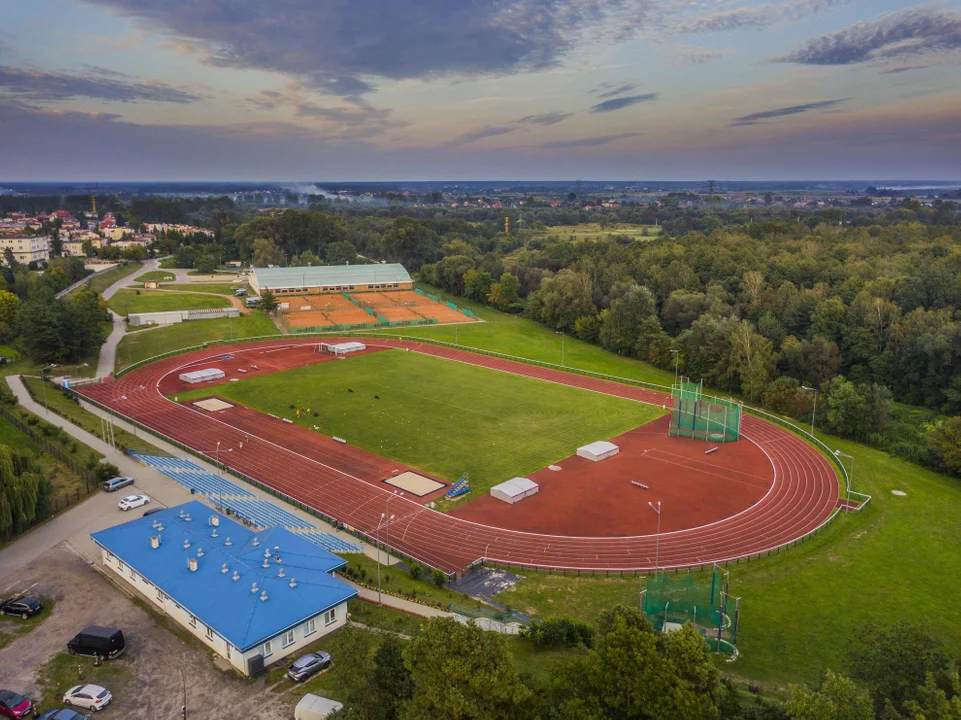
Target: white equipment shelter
<point>342,348</point>
<point>315,707</point>
<point>205,375</point>
<point>515,490</point>
<point>597,451</point>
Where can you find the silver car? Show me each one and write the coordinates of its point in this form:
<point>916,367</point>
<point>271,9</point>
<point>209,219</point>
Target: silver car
<point>306,665</point>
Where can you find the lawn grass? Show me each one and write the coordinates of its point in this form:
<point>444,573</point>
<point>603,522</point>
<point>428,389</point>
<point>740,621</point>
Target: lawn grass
<point>12,627</point>
<point>156,276</point>
<point>399,582</point>
<point>329,683</point>
<point>443,417</point>
<point>142,345</point>
<point>216,288</point>
<point>126,301</point>
<point>897,559</point>
<point>101,282</point>
<point>64,671</point>
<point>518,336</point>
<point>382,617</point>
<point>66,407</point>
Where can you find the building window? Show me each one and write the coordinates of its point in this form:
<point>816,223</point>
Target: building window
<point>210,634</point>
<point>288,638</point>
<point>120,566</point>
<point>160,595</point>
<point>133,575</point>
<point>268,651</point>
<point>193,621</point>
<point>311,628</point>
<point>330,616</point>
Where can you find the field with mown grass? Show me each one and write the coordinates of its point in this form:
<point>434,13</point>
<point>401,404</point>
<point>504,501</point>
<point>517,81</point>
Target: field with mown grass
<point>125,302</point>
<point>439,416</point>
<point>102,282</point>
<point>141,345</point>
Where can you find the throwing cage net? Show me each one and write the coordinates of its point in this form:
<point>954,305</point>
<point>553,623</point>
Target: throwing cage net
<point>704,417</point>
<point>672,601</point>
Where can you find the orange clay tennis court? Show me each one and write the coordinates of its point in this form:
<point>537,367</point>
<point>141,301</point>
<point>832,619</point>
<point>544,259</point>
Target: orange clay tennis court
<point>332,309</point>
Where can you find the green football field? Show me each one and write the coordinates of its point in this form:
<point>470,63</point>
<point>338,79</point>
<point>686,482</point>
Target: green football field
<point>440,416</point>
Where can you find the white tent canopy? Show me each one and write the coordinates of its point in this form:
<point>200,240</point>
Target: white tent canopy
<point>343,348</point>
<point>205,375</point>
<point>515,490</point>
<point>599,450</point>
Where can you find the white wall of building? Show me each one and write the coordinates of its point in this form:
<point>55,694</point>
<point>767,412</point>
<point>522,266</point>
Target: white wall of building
<point>280,646</point>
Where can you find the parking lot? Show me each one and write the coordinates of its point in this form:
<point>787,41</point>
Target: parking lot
<point>147,682</point>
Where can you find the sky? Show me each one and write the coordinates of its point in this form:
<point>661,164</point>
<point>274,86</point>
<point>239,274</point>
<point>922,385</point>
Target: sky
<point>393,90</point>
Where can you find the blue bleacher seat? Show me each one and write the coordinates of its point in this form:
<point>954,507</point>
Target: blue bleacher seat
<point>331,542</point>
<point>265,514</point>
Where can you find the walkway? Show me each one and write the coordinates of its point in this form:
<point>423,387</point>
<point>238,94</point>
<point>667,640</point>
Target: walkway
<point>108,351</point>
<point>396,602</point>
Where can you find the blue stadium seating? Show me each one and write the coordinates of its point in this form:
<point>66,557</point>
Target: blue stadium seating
<point>266,514</point>
<point>331,542</point>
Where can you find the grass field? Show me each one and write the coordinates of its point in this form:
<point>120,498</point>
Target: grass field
<point>593,231</point>
<point>518,336</point>
<point>898,559</point>
<point>217,288</point>
<point>142,345</point>
<point>125,301</point>
<point>156,276</point>
<point>442,417</point>
<point>102,282</point>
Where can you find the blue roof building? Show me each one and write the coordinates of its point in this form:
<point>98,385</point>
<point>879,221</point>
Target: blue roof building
<point>254,597</point>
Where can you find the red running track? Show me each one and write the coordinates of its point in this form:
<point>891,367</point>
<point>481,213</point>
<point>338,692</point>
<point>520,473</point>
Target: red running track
<point>803,496</point>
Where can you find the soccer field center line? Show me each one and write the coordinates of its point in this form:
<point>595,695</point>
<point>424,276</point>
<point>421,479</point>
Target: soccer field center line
<point>514,532</point>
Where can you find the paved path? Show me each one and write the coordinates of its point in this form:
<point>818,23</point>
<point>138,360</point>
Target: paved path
<point>396,602</point>
<point>108,351</point>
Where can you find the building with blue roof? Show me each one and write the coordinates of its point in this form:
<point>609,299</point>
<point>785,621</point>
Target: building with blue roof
<point>253,597</point>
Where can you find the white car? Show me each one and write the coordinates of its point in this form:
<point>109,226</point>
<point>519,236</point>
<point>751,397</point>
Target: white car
<point>92,697</point>
<point>133,501</point>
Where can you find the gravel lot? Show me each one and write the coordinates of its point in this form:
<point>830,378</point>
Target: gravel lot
<point>152,689</point>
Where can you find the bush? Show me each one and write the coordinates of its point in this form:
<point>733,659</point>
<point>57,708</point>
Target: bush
<point>416,570</point>
<point>438,578</point>
<point>105,471</point>
<point>559,630</point>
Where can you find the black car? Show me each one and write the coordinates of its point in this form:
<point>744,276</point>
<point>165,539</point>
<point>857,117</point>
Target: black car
<point>24,606</point>
<point>95,641</point>
<point>306,665</point>
<point>63,714</point>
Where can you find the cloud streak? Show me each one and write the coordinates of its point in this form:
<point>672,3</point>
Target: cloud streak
<point>623,102</point>
<point>485,132</point>
<point>551,118</point>
<point>756,118</point>
<point>41,86</point>
<point>587,142</point>
<point>915,32</point>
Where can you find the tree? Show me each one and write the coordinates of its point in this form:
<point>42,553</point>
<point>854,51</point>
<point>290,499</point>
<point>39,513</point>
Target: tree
<point>9,312</point>
<point>266,253</point>
<point>411,243</point>
<point>461,672</point>
<point>836,698</point>
<point>621,323</point>
<point>562,299</point>
<point>451,271</point>
<point>945,439</point>
<point>44,327</point>
<point>632,672</point>
<point>207,264</point>
<point>341,252</point>
<point>24,490</point>
<point>268,301</point>
<point>855,410</point>
<point>477,284</point>
<point>895,662</point>
<point>389,680</point>
<point>752,356</point>
<point>503,294</point>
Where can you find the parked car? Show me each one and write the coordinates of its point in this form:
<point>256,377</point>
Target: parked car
<point>133,501</point>
<point>24,606</point>
<point>151,511</point>
<point>96,641</point>
<point>14,705</point>
<point>116,483</point>
<point>63,714</point>
<point>92,697</point>
<point>306,665</point>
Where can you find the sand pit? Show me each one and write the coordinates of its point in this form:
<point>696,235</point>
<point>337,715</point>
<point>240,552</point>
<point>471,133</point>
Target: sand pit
<point>414,484</point>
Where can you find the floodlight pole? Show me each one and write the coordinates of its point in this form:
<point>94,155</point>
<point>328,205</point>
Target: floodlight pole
<point>657,545</point>
<point>677,358</point>
<point>43,382</point>
<point>838,454</point>
<point>390,497</point>
<point>814,412</point>
<point>383,519</point>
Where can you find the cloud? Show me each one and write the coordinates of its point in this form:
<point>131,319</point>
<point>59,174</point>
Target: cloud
<point>906,34</point>
<point>753,16</point>
<point>903,69</point>
<point>695,55</point>
<point>588,142</point>
<point>42,86</point>
<point>551,118</point>
<point>354,121</point>
<point>485,132</point>
<point>755,118</point>
<point>623,102</point>
<point>620,90</point>
<point>344,46</point>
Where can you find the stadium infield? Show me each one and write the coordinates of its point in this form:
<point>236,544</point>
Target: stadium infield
<point>802,498</point>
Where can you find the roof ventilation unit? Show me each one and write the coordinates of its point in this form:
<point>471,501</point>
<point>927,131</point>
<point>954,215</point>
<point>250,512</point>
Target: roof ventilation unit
<point>192,564</point>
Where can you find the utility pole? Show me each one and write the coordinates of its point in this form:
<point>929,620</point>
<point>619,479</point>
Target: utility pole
<point>657,546</point>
